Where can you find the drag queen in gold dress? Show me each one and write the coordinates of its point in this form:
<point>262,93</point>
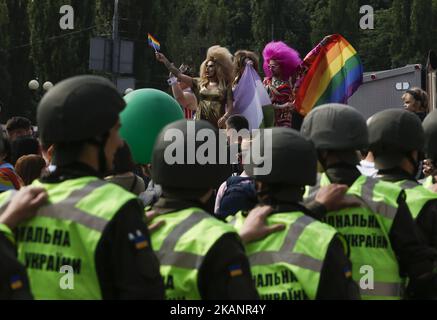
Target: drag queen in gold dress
<point>214,87</point>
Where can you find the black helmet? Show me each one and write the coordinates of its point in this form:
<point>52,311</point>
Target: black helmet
<point>78,109</point>
<point>293,158</point>
<point>392,135</point>
<point>336,127</point>
<point>430,128</point>
<point>188,173</point>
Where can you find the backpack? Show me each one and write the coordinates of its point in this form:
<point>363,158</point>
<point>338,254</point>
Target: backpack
<point>240,195</point>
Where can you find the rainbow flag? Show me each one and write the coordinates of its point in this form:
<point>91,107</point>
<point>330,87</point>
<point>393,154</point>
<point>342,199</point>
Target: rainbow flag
<point>153,42</point>
<point>333,77</point>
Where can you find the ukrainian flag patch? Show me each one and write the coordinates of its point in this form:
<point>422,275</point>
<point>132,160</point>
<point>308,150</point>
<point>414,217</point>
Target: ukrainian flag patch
<point>16,283</point>
<point>235,271</point>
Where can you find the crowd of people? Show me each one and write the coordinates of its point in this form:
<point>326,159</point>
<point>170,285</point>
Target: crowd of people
<point>343,194</point>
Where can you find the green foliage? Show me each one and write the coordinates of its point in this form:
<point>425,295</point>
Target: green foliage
<point>56,53</point>
<point>5,84</point>
<point>19,66</point>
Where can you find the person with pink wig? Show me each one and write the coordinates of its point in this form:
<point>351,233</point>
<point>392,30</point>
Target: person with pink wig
<point>281,65</point>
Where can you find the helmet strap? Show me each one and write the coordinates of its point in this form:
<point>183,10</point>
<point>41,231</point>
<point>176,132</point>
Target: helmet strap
<point>100,142</point>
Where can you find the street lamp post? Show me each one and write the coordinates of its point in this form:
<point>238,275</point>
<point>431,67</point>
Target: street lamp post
<point>34,85</point>
<point>38,91</point>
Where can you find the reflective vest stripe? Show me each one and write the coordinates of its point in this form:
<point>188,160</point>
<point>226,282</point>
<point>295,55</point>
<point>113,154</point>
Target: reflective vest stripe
<point>167,254</point>
<point>181,247</point>
<point>233,221</point>
<point>298,259</point>
<point>285,254</point>
<point>384,289</point>
<point>66,209</point>
<point>185,260</point>
<point>368,188</point>
<point>408,184</point>
<point>381,208</point>
<point>295,232</point>
<point>71,213</point>
<point>76,196</point>
<point>417,196</point>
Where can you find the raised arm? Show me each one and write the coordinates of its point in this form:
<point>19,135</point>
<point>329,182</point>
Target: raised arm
<point>186,100</point>
<point>182,77</point>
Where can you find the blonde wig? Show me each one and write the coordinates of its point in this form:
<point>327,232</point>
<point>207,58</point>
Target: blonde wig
<point>224,67</point>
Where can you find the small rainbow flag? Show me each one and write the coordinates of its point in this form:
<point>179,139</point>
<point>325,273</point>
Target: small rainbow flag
<point>153,42</point>
<point>333,77</point>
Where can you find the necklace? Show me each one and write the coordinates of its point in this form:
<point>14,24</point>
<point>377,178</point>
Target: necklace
<point>277,82</point>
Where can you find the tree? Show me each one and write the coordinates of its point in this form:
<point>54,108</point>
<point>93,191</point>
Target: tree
<point>281,20</point>
<point>401,43</point>
<point>20,68</point>
<point>5,83</point>
<point>344,17</point>
<point>58,54</point>
<point>421,30</point>
<point>434,26</point>
<point>320,21</point>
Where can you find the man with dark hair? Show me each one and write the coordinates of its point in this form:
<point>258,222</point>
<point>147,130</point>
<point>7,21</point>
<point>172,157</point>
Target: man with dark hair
<point>237,128</point>
<point>18,127</point>
<point>24,146</point>
<point>238,192</point>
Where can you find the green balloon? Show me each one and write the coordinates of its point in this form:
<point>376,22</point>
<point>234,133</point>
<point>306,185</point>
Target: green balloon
<point>147,112</point>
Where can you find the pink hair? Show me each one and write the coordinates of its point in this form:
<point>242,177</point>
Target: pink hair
<point>288,58</point>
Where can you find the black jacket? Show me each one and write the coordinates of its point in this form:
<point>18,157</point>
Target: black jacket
<point>214,280</point>
<point>124,272</point>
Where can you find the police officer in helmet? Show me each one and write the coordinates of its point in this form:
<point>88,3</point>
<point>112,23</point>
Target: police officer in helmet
<point>201,257</point>
<point>381,231</point>
<point>91,228</point>
<point>397,139</point>
<point>308,260</point>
